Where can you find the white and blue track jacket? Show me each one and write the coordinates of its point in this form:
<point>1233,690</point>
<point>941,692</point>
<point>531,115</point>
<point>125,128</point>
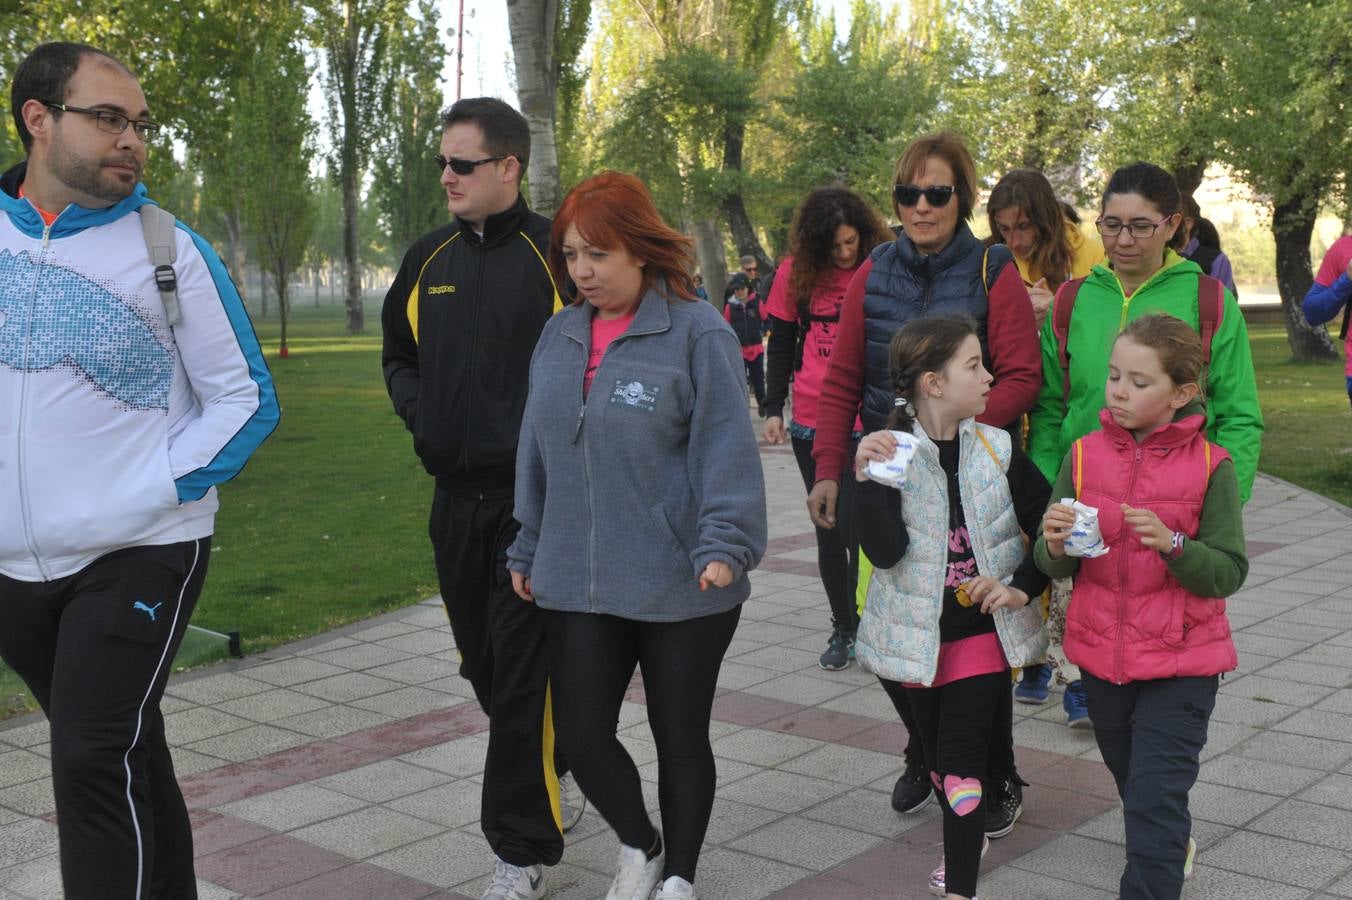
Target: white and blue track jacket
<point>114,428</point>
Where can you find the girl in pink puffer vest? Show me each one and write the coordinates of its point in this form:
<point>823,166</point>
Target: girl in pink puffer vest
<point>1146,622</point>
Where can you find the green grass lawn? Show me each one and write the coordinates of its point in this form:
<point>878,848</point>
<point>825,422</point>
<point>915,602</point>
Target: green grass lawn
<point>327,523</point>
<point>1308,437</point>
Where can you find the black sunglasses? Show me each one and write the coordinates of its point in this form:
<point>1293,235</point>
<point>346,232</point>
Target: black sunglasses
<point>464,166</point>
<point>909,194</point>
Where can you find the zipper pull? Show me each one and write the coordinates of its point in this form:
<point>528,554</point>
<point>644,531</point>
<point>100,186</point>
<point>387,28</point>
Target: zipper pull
<point>46,235</point>
<point>581,414</point>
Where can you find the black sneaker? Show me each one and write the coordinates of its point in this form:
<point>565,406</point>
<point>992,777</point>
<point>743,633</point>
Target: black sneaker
<point>839,650</point>
<point>1004,805</point>
<point>912,790</point>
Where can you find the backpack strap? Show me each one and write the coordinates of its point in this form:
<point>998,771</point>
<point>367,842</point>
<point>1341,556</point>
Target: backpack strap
<point>1347,315</point>
<point>985,271</point>
<point>1063,304</point>
<point>157,226</point>
<point>1206,473</point>
<point>989,449</point>
<point>1210,311</point>
<point>1077,466</point>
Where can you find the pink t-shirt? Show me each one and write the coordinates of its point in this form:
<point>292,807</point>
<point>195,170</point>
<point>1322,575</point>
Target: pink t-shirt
<point>821,336</point>
<point>603,332</point>
<point>1335,264</point>
<point>980,654</point>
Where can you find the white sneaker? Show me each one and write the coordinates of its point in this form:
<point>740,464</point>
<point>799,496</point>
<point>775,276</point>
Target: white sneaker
<point>636,875</point>
<point>516,882</point>
<point>571,801</point>
<point>675,888</point>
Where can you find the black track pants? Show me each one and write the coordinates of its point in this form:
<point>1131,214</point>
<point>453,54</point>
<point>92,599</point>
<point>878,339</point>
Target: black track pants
<point>96,649</point>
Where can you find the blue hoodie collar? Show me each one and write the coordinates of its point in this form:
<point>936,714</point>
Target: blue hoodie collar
<point>71,220</point>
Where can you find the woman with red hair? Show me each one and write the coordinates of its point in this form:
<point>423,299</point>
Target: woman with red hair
<point>642,507</point>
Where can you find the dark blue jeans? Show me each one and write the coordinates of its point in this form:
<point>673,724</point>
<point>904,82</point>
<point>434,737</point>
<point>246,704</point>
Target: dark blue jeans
<point>1151,735</point>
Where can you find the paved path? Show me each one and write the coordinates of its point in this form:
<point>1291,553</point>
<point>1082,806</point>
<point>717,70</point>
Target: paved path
<point>348,766</point>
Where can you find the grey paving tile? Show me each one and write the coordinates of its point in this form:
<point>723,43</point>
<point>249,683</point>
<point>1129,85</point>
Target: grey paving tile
<point>348,687</point>
<point>27,840</point>
<point>735,676</point>
<point>1338,702</point>
<point>423,643</point>
<point>1311,673</point>
<point>781,791</point>
<point>272,705</point>
<point>1010,881</point>
<point>870,701</point>
<point>460,757</point>
<point>26,731</point>
<point>452,804</point>
<point>18,766</point>
<point>565,882</point>
<point>1318,723</point>
<point>1276,690</point>
<point>417,670</point>
<point>870,810</point>
<point>1228,805</point>
<point>801,688</point>
<point>1079,859</point>
<point>361,656</point>
<point>1342,887</point>
<point>32,798</point>
<point>292,670</point>
<point>404,702</point>
<point>764,748</point>
<point>448,859</point>
<point>208,891</point>
<point>215,688</point>
<point>811,844</point>
<point>386,629</point>
<point>728,873</point>
<point>1335,790</point>
<point>1053,736</point>
<point>1297,749</point>
<point>1209,883</point>
<point>292,807</point>
<point>332,721</point>
<point>382,781</point>
<point>250,743</point>
<point>1303,865</point>
<point>780,659</point>
<point>191,762</point>
<point>731,820</point>
<point>1309,822</point>
<point>1246,711</point>
<point>848,765</point>
<point>38,879</point>
<point>201,723</point>
<point>1258,775</point>
<point>367,832</point>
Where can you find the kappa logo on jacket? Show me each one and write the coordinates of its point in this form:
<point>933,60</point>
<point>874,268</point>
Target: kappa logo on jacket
<point>633,393</point>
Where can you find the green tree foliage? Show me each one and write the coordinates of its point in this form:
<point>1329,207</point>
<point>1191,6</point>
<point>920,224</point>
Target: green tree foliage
<point>404,183</point>
<point>279,204</point>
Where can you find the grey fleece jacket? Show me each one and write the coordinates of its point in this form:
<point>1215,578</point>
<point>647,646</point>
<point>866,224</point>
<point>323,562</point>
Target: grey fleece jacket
<point>624,499</point>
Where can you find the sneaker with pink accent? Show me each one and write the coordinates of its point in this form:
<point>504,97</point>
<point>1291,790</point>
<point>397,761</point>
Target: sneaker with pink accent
<point>937,882</point>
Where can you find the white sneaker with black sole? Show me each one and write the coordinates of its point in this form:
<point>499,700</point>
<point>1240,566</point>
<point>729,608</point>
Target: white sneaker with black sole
<point>636,875</point>
<point>512,882</point>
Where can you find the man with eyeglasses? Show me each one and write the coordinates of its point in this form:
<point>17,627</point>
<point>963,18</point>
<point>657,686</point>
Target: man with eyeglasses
<point>119,413</point>
<point>461,321</point>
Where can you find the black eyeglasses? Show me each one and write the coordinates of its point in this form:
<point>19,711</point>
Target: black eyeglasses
<point>464,166</point>
<point>111,122</point>
<point>1138,228</point>
<point>909,194</point>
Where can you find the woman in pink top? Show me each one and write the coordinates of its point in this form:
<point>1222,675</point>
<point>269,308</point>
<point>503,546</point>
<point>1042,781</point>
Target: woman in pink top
<point>833,232</point>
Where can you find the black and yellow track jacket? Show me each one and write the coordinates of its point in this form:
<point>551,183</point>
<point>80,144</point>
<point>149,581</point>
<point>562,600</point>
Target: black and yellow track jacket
<point>461,321</point>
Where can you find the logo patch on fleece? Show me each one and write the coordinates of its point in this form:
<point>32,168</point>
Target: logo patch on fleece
<point>633,393</point>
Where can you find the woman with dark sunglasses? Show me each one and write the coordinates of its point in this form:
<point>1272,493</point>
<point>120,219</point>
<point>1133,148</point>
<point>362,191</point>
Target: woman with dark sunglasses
<point>936,267</point>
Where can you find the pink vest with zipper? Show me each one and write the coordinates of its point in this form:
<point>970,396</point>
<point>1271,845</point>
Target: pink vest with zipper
<point>1129,619</point>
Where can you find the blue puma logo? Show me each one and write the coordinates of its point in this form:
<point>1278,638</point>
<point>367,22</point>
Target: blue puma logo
<point>148,610</point>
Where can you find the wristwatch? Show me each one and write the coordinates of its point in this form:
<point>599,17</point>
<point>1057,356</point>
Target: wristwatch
<point>1175,546</point>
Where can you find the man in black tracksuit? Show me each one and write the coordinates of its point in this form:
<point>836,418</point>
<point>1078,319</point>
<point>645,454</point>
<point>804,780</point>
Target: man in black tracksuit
<point>461,320</point>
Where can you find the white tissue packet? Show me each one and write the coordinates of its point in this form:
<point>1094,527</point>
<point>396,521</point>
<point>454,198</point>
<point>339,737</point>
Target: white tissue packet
<point>893,472</point>
<point>1085,538</point>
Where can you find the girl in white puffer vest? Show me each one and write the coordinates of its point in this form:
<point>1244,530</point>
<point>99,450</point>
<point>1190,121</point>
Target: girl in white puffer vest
<point>947,613</point>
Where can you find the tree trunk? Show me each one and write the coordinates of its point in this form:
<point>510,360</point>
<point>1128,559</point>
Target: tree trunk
<point>734,207</point>
<point>1188,174</point>
<point>348,171</point>
<point>1292,227</point>
<point>314,273</point>
<point>712,263</point>
<point>531,23</point>
<point>262,294</point>
<point>237,252</point>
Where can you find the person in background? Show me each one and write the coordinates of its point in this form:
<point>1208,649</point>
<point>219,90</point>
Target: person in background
<point>642,510</point>
<point>833,232</point>
<point>1140,212</point>
<point>743,312</point>
<point>1188,243</point>
<point>935,267</point>
<point>1049,249</point>
<point>1331,294</point>
<point>700,292</point>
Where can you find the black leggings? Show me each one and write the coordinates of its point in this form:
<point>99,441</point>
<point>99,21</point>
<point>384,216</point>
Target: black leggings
<point>837,548</point>
<point>955,725</point>
<point>592,658</point>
